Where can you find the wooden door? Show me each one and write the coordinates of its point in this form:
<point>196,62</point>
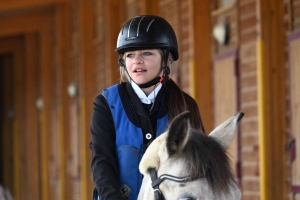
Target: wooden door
<point>225,98</point>
<point>294,64</point>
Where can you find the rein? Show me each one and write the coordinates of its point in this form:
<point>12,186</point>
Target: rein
<point>157,181</point>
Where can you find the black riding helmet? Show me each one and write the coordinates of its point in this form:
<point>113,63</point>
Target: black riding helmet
<point>148,32</point>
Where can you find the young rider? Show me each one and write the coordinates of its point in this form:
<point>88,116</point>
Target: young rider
<point>128,116</point>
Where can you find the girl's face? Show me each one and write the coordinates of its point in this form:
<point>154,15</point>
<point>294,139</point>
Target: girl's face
<point>143,65</point>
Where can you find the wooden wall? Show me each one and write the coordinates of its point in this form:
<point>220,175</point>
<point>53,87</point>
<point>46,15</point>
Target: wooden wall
<point>48,46</point>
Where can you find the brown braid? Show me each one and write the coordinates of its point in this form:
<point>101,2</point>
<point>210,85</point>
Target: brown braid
<point>179,101</point>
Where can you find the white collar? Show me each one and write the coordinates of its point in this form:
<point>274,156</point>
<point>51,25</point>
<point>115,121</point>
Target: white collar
<point>142,96</point>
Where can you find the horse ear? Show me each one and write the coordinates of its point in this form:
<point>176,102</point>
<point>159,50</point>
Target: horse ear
<point>177,133</point>
<point>225,132</point>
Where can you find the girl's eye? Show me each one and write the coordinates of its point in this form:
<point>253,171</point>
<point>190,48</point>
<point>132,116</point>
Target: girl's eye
<point>129,55</point>
<point>147,53</point>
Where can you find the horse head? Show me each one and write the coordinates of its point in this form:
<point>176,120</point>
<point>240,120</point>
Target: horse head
<point>183,163</point>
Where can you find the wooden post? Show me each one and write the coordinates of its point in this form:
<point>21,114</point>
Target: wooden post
<point>46,92</point>
<point>201,64</point>
<point>272,107</point>
<point>31,171</point>
<point>114,23</point>
<point>63,38</point>
<point>18,123</point>
<point>86,91</point>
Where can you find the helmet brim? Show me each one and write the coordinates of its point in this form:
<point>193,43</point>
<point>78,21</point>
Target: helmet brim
<point>163,46</point>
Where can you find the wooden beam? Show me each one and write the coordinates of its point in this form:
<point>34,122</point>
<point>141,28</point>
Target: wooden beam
<point>10,45</point>
<point>201,64</point>
<point>272,108</point>
<point>25,4</point>
<point>18,25</point>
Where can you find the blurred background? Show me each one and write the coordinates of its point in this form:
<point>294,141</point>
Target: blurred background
<point>235,55</point>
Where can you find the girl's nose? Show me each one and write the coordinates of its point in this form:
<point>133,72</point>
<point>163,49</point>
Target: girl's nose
<point>138,60</point>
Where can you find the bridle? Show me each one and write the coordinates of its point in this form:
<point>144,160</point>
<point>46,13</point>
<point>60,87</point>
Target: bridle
<point>158,195</point>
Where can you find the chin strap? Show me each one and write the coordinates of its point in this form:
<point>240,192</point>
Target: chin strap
<point>150,83</point>
<point>162,79</point>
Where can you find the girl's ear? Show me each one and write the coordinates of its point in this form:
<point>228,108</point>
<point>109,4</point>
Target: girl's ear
<point>121,61</point>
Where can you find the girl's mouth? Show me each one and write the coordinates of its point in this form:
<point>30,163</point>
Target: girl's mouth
<point>140,70</point>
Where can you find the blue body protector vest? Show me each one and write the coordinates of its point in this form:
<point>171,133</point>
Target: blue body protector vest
<point>129,143</point>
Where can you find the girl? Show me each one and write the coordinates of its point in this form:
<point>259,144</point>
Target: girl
<point>128,116</point>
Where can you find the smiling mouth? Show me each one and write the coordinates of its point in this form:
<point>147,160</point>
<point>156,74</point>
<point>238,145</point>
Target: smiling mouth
<point>140,70</point>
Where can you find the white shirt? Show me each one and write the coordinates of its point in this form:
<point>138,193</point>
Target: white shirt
<point>142,96</point>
